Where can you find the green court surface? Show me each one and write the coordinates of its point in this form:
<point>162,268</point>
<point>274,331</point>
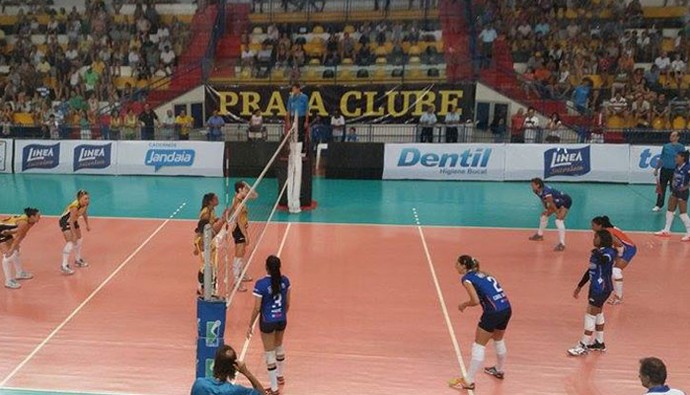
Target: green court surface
<point>442,203</point>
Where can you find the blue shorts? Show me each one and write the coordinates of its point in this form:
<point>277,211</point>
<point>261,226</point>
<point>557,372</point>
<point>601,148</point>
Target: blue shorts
<point>566,202</point>
<point>495,320</point>
<point>598,300</point>
<point>681,195</point>
<point>628,253</point>
<point>270,327</point>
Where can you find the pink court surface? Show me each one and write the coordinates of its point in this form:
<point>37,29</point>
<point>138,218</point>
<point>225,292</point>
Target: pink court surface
<point>374,312</point>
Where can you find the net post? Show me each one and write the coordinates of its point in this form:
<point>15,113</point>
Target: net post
<point>208,267</point>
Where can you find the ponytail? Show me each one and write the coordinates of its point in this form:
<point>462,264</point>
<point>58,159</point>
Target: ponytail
<point>470,264</point>
<point>603,221</point>
<point>273,269</point>
<point>206,200</point>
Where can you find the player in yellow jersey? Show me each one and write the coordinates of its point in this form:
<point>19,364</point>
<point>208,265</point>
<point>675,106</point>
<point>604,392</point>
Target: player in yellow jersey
<point>240,230</point>
<point>208,212</point>
<point>69,225</point>
<point>13,230</point>
<point>199,251</point>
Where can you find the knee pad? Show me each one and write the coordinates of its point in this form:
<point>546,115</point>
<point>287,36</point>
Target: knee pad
<point>280,353</point>
<point>478,352</point>
<point>617,273</point>
<point>600,319</point>
<point>270,359</point>
<point>500,346</point>
<point>590,322</point>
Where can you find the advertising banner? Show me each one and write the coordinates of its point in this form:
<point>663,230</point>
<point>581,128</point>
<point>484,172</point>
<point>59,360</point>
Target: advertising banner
<point>6,156</point>
<point>444,161</point>
<point>65,157</point>
<point>643,160</point>
<point>361,103</point>
<point>171,158</point>
<point>570,162</point>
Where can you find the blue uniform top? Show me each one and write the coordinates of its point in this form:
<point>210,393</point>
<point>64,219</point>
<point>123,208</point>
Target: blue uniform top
<point>558,197</point>
<point>273,309</point>
<point>668,154</point>
<point>212,386</point>
<point>491,295</point>
<point>297,105</point>
<point>681,176</point>
<point>601,270</point>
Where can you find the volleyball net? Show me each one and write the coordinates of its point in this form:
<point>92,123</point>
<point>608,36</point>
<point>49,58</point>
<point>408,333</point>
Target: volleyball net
<point>261,203</point>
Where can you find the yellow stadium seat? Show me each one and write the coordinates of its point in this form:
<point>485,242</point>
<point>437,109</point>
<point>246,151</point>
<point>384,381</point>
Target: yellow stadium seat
<point>381,60</point>
<point>258,30</point>
<point>668,45</point>
<point>415,74</point>
<point>315,62</point>
<point>380,74</point>
<point>345,75</point>
<point>312,75</point>
<point>347,61</point>
<point>415,60</point>
<point>381,51</point>
<point>318,29</point>
<point>349,29</point>
<point>615,122</point>
<point>679,123</point>
<point>659,124</point>
<point>23,118</point>
<point>256,47</point>
<point>414,50</point>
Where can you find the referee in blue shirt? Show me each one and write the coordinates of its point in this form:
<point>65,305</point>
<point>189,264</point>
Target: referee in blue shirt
<point>298,104</point>
<point>667,164</point>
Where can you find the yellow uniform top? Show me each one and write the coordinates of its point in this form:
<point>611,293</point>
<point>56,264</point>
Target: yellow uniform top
<point>243,216</point>
<point>199,250</point>
<point>75,204</point>
<point>208,214</point>
<point>14,220</point>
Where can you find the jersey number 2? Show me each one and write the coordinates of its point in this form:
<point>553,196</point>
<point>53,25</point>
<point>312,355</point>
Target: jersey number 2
<point>495,284</point>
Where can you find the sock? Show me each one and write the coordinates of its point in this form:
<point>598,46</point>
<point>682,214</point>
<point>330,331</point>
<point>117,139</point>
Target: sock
<point>543,221</point>
<point>280,360</point>
<point>669,221</point>
<point>77,249</point>
<point>6,268</point>
<point>272,369</point>
<point>600,334</point>
<point>560,224</point>
<point>686,221</point>
<point>590,323</point>
<point>501,352</point>
<point>65,253</point>
<point>618,282</point>
<point>476,362</point>
<point>237,268</point>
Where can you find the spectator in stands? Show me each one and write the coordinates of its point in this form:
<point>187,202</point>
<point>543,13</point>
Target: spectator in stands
<point>641,111</point>
<point>488,35</point>
<point>498,127</point>
<point>517,122</point>
<point>256,131</point>
<point>282,56</point>
<point>248,58</point>
<point>617,106</point>
<point>225,367</point>
<point>215,127</point>
<point>168,129</point>
<point>667,164</point>
<point>660,109</point>
<point>148,120</point>
<point>347,47</point>
<point>531,127</point>
<point>679,108</point>
<point>298,55</point>
<point>678,69</point>
<point>116,124</point>
<point>364,56</point>
<point>184,124</point>
<point>652,77</point>
<point>529,83</point>
<point>663,62</point>
<point>337,126</point>
<point>352,135</point>
<point>581,96</point>
<point>452,121</point>
<point>167,59</point>
<point>427,122</point>
<point>653,375</point>
<point>554,129</point>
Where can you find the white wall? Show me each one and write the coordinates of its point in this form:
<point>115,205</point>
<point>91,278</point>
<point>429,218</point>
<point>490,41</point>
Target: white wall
<point>486,94</point>
<point>196,95</point>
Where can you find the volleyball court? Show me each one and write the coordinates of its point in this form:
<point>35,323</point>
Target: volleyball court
<point>374,308</point>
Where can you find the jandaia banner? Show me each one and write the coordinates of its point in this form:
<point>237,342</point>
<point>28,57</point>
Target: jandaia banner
<point>365,103</point>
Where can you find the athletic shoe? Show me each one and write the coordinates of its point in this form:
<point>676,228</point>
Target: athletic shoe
<point>494,372</point>
<point>656,208</point>
<point>536,237</point>
<point>578,350</point>
<point>559,247</point>
<point>281,380</point>
<point>66,270</point>
<point>596,346</point>
<point>12,284</point>
<point>662,233</point>
<point>269,391</point>
<point>81,263</point>
<point>685,238</point>
<point>246,279</point>
<point>24,276</point>
<point>615,300</point>
<point>460,383</point>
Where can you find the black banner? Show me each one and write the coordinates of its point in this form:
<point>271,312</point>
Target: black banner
<point>364,103</point>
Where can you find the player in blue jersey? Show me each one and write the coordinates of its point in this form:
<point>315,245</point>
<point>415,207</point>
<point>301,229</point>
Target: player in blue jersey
<point>483,289</point>
<point>272,295</point>
<point>680,183</point>
<point>555,202</point>
<point>598,275</point>
<point>623,244</point>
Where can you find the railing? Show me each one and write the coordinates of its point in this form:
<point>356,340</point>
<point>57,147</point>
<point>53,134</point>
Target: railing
<point>310,11</point>
<point>217,32</point>
<point>369,133</point>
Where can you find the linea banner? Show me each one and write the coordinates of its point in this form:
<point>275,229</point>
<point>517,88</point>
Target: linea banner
<point>65,157</point>
<point>363,103</point>
<point>444,161</point>
<point>173,158</point>
<point>6,150</point>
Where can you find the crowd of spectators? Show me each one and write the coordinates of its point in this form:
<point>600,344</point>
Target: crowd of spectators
<point>69,69</point>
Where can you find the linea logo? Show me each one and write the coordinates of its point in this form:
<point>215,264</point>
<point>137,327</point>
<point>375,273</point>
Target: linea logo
<point>159,158</point>
<point>567,162</point>
<point>39,156</point>
<point>212,335</point>
<point>468,161</point>
<point>92,156</point>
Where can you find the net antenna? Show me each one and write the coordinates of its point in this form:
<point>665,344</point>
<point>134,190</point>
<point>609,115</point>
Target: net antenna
<point>223,240</point>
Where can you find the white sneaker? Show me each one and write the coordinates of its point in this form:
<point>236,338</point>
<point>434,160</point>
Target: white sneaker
<point>662,233</point>
<point>686,237</point>
<point>12,284</point>
<point>81,263</point>
<point>656,208</point>
<point>65,269</point>
<point>24,276</point>
<point>578,350</point>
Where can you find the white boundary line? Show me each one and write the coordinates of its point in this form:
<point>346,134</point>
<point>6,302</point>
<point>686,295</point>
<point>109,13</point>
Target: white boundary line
<point>441,299</point>
<point>88,299</point>
<point>245,346</point>
<point>69,392</point>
